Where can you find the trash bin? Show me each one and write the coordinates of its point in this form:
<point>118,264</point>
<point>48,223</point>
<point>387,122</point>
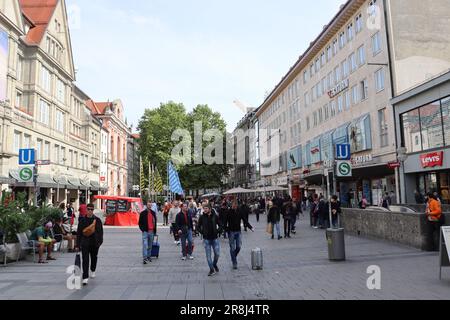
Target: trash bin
<point>336,244</point>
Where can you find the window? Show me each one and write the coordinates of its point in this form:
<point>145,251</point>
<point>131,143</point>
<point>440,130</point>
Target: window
<point>340,100</point>
<point>56,158</point>
<point>329,53</point>
<point>330,80</point>
<point>311,70</point>
<point>335,47</point>
<point>320,115</point>
<point>337,75</point>
<point>431,126</point>
<point>376,43</point>
<point>333,108</point>
<point>382,117</point>
<point>45,79</point>
<point>364,90</point>
<point>361,55</point>
<point>347,100</point>
<point>315,119</point>
<point>355,95</point>
<point>19,70</point>
<point>344,67</point>
<point>39,149</point>
<point>17,141</point>
<point>305,76</point>
<point>308,124</point>
<point>372,8</point>
<point>445,103</point>
<point>326,112</point>
<point>323,59</point>
<point>44,112</point>
<point>359,23</point>
<point>60,90</point>
<point>59,121</point>
<point>306,99</point>
<point>46,155</point>
<point>350,32</point>
<point>317,65</point>
<point>62,159</point>
<point>26,141</point>
<point>379,80</point>
<point>18,103</point>
<point>352,61</point>
<point>342,40</point>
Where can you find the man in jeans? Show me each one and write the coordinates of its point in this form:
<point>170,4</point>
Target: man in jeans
<point>184,228</point>
<point>147,224</point>
<point>233,227</point>
<point>210,228</point>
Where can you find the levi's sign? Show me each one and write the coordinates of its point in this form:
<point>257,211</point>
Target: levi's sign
<point>433,159</point>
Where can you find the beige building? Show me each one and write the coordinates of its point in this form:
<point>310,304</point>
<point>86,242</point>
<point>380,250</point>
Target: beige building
<point>338,92</point>
<point>43,109</point>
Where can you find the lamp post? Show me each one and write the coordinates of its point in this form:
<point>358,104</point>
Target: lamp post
<point>402,156</point>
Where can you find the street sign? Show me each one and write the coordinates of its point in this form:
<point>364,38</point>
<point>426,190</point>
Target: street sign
<point>344,168</point>
<point>394,164</point>
<point>343,152</point>
<point>43,162</point>
<point>26,174</point>
<point>27,157</point>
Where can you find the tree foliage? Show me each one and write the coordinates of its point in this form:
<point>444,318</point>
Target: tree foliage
<point>156,128</point>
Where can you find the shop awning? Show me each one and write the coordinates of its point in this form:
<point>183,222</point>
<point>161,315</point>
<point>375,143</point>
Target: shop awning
<point>7,180</point>
<point>62,181</point>
<point>95,185</point>
<point>74,183</point>
<point>43,181</point>
<point>85,183</point>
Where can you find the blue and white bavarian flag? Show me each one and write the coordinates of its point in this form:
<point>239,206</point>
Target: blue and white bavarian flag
<point>174,180</point>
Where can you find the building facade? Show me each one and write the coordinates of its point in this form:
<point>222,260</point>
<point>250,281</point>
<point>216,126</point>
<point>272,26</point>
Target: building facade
<point>41,108</point>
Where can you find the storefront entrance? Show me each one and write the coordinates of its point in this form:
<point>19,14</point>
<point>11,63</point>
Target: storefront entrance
<point>435,182</point>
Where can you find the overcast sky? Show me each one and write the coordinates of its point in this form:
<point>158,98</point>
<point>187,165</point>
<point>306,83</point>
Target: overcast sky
<point>192,51</point>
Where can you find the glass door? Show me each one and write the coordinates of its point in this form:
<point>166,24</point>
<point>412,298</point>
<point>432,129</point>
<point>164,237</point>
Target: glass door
<point>444,189</point>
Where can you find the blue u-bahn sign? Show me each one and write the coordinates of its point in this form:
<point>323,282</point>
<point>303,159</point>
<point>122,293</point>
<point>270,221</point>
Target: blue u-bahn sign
<point>343,152</point>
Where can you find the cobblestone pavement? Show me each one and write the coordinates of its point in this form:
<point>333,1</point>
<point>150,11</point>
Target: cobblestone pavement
<point>294,269</point>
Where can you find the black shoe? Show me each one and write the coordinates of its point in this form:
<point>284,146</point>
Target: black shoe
<point>211,273</point>
<point>273,237</point>
<point>235,267</point>
<point>149,260</point>
<point>279,238</point>
<point>216,269</point>
<point>145,261</point>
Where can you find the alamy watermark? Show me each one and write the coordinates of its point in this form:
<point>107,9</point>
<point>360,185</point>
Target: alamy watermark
<point>226,149</point>
<point>374,281</point>
<point>74,280</point>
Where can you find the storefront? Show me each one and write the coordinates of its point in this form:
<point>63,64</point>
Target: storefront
<point>422,118</point>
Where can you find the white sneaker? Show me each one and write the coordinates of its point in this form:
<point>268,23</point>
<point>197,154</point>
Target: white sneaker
<point>183,258</point>
<point>85,282</point>
<point>93,275</point>
<point>175,242</point>
<point>191,258</point>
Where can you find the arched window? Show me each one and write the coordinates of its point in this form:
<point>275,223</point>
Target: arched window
<point>124,155</point>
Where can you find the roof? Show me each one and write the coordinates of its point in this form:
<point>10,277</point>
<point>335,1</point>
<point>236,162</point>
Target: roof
<point>136,136</point>
<point>39,12</point>
<point>97,107</point>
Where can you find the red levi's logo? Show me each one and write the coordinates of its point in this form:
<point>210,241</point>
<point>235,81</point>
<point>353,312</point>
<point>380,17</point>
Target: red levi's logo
<point>431,160</point>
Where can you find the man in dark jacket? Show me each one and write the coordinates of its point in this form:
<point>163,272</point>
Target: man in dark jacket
<point>244,211</point>
<point>185,226</point>
<point>274,218</point>
<point>233,228</point>
<point>210,228</point>
<point>89,245</point>
<point>148,226</point>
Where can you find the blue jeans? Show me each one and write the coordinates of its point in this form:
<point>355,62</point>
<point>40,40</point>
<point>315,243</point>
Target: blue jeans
<point>147,244</point>
<point>186,237</point>
<point>215,245</point>
<point>276,226</point>
<point>235,240</point>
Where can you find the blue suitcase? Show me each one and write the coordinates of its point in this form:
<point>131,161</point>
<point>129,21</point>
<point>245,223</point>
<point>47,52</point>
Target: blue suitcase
<point>155,247</point>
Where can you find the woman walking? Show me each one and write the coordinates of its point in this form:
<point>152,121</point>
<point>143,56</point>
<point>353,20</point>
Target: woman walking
<point>89,240</point>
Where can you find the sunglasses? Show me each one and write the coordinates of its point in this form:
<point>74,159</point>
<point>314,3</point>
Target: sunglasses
<point>90,209</point>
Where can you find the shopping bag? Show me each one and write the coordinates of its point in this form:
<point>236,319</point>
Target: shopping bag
<point>269,229</point>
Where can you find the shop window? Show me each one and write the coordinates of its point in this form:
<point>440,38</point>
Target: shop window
<point>411,131</point>
<point>431,126</point>
<point>446,119</point>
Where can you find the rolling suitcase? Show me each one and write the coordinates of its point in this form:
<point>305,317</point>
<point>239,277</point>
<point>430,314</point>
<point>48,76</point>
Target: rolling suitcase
<point>155,247</point>
<point>257,259</point>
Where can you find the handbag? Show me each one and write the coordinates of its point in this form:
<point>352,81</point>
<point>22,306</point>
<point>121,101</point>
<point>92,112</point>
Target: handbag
<point>89,231</point>
<point>269,229</point>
